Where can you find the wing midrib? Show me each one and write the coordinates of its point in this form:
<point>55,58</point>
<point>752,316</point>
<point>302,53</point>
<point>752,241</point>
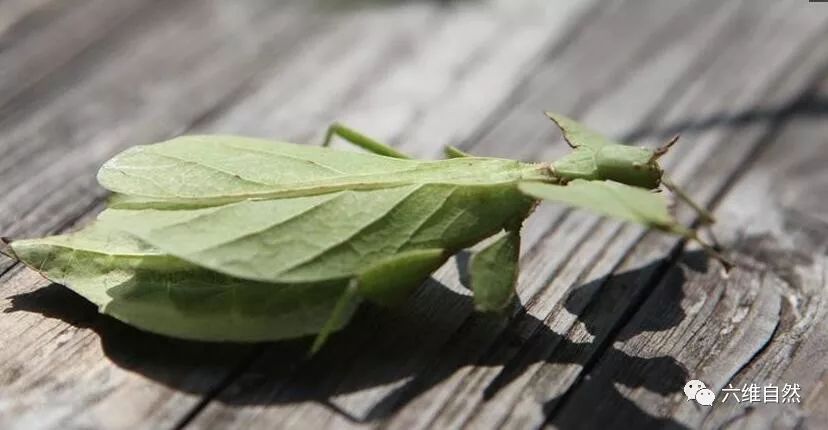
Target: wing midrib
<point>373,181</point>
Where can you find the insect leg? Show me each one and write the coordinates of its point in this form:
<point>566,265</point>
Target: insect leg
<point>388,282</point>
<point>494,272</point>
<point>704,215</point>
<point>342,311</point>
<point>452,152</point>
<point>706,219</point>
<point>711,250</point>
<point>360,140</point>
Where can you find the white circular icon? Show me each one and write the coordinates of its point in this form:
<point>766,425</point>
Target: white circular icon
<point>705,397</point>
<point>691,388</point>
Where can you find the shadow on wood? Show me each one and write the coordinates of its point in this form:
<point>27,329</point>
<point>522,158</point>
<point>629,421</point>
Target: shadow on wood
<point>809,105</point>
<point>243,374</point>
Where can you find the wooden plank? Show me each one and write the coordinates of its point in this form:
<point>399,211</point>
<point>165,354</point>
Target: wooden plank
<point>604,255</point>
<point>381,25</point>
<point>699,103</point>
<point>12,12</point>
<point>377,357</point>
<point>358,30</point>
<point>357,389</point>
<point>553,82</point>
<point>40,37</point>
<point>169,108</point>
<point>764,325</point>
<point>437,56</point>
<point>71,132</point>
<point>48,396</point>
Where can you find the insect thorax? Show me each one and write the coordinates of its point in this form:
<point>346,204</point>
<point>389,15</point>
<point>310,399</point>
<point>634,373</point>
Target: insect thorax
<point>625,164</point>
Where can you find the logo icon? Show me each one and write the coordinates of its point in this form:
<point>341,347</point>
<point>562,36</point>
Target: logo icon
<point>696,390</point>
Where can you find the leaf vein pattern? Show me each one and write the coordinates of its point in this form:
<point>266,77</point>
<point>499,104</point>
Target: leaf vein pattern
<point>428,218</point>
<point>281,155</point>
<point>208,212</point>
<point>317,206</point>
<point>235,176</point>
<point>350,237</point>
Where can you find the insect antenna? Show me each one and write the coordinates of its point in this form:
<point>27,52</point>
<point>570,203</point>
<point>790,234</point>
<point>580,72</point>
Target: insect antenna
<point>661,150</point>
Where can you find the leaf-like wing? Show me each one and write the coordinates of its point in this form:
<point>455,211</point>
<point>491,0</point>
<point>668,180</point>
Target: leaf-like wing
<point>144,287</point>
<point>610,199</point>
<point>325,236</point>
<point>577,134</point>
<point>210,170</point>
<point>494,272</point>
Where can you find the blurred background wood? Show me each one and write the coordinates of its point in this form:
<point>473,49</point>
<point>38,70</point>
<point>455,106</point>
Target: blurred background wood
<point>614,321</point>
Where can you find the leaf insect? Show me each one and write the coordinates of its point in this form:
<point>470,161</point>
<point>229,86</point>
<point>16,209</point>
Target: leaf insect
<point>224,238</point>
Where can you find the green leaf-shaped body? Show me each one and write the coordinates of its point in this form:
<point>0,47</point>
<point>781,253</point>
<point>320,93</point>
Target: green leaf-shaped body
<point>142,286</point>
<point>276,212</point>
<point>230,238</point>
<point>238,226</point>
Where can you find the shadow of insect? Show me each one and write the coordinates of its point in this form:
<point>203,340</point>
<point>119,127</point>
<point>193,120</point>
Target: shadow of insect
<point>408,347</point>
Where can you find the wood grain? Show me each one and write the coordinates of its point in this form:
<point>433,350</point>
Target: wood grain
<point>613,321</point>
<point>41,41</point>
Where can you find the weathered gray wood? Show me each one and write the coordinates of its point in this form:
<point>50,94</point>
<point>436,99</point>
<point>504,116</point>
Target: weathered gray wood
<point>44,397</point>
<point>766,323</point>
<point>556,381</point>
<point>133,94</point>
<point>360,30</point>
<point>314,415</point>
<point>726,148</point>
<point>419,75</point>
<point>42,38</point>
<point>389,90</point>
<point>574,59</point>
